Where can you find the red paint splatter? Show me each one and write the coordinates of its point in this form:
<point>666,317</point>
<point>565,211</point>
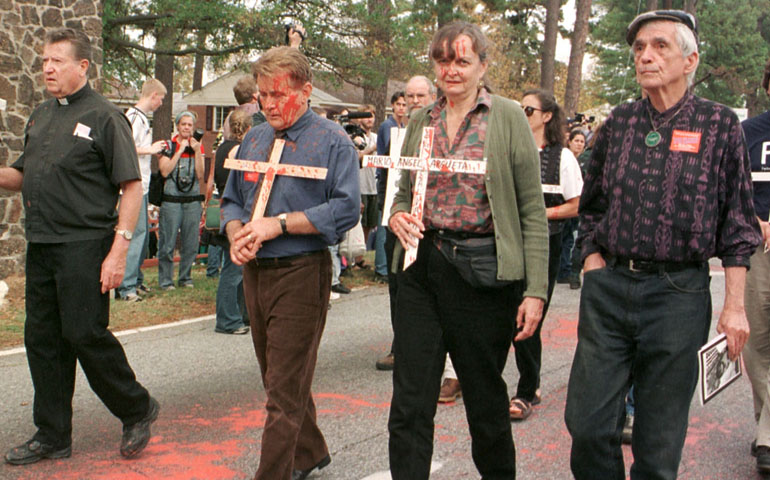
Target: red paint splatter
<point>167,460</point>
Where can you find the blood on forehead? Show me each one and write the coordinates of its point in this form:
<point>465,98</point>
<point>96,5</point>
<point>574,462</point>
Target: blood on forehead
<point>281,82</point>
<point>462,46</point>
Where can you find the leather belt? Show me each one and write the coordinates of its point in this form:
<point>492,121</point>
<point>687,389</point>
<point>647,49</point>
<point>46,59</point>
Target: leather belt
<point>273,262</point>
<point>649,266</point>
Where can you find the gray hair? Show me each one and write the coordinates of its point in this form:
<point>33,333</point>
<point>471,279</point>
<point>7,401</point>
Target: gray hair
<point>689,45</point>
<point>431,86</point>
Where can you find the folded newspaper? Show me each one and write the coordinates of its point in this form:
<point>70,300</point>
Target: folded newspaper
<point>716,371</point>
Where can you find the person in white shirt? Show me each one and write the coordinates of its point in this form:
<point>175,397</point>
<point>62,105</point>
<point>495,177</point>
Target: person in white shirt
<point>153,93</point>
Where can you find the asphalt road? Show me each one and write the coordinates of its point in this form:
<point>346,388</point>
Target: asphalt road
<point>212,410</point>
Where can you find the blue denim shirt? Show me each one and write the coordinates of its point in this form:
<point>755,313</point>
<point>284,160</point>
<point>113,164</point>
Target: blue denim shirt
<point>332,205</point>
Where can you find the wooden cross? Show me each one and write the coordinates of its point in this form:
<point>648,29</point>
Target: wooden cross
<point>397,136</point>
<point>270,169</point>
<point>423,164</point>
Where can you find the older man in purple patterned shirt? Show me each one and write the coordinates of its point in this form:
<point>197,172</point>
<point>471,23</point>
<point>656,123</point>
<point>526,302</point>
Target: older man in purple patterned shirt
<point>667,187</point>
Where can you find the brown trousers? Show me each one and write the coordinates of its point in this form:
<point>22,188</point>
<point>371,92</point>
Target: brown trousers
<point>287,303</point>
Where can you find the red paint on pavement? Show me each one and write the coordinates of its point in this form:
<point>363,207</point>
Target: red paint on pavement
<point>166,460</point>
<point>564,335</point>
<point>335,403</point>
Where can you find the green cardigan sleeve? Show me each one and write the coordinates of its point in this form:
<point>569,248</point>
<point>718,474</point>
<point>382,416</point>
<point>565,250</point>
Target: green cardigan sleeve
<point>516,198</point>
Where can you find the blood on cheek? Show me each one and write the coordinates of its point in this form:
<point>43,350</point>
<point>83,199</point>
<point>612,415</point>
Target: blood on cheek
<point>291,102</point>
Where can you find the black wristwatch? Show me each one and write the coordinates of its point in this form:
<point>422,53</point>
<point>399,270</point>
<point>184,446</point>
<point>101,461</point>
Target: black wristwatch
<point>282,220</point>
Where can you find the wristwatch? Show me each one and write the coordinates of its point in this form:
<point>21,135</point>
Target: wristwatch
<point>127,234</point>
<point>282,220</point>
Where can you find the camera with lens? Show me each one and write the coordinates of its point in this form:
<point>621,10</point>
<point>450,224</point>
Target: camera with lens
<point>184,183</point>
<point>356,133</point>
<point>168,148</point>
<point>292,26</point>
<point>197,135</point>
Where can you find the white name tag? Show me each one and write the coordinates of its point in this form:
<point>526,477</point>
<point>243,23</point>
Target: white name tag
<point>82,131</point>
<point>552,189</point>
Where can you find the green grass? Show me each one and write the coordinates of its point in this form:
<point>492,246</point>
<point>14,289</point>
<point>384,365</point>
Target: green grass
<point>156,308</point>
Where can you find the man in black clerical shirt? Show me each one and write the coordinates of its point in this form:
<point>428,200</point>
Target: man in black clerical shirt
<point>78,155</point>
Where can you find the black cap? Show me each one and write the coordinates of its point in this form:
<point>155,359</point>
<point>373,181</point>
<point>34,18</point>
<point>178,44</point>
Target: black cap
<point>671,15</point>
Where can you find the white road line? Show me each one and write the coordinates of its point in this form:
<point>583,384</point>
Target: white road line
<point>14,351</point>
<point>434,467</point>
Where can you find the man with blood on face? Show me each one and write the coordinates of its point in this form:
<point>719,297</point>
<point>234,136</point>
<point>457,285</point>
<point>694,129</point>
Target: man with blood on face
<point>285,256</point>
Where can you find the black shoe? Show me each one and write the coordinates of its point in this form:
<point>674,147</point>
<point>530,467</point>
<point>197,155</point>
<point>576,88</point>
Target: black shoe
<point>562,280</point>
<point>33,451</point>
<point>238,331</point>
<point>574,282</point>
<point>136,436</point>
<point>385,363</point>
<point>763,458</point>
<point>754,448</point>
<point>303,474</point>
<point>340,288</point>
<point>379,278</point>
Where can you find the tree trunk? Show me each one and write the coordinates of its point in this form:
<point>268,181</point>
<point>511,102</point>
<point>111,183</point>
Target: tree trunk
<point>444,9</point>
<point>200,61</point>
<point>652,5</point>
<point>753,105</point>
<point>378,44</point>
<point>668,4</point>
<point>162,123</point>
<point>577,51</point>
<point>689,6</point>
<point>548,55</point>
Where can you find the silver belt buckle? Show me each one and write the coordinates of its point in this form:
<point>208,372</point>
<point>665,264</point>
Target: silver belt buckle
<point>632,268</point>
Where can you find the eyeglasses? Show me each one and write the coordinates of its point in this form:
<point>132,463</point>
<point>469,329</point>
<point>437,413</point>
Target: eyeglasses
<point>528,111</point>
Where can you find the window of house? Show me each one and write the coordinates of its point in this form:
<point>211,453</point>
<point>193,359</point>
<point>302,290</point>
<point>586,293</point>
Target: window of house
<point>220,114</point>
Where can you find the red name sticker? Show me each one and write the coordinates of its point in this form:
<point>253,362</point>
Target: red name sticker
<point>682,141</point>
<point>251,176</point>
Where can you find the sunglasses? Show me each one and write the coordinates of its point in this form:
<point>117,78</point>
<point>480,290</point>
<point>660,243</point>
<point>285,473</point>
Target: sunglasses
<point>528,111</point>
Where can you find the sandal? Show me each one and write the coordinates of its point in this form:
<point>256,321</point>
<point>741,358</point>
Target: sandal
<point>363,265</point>
<point>519,409</point>
<point>538,398</point>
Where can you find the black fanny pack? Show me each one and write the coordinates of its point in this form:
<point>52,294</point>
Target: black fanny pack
<point>179,199</point>
<point>474,257</point>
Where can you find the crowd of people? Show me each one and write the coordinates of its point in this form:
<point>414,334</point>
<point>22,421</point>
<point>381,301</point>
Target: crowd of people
<point>661,187</point>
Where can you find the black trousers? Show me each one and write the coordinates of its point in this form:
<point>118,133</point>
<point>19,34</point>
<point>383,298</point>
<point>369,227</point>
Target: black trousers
<point>438,312</point>
<point>67,318</point>
<point>529,352</point>
<point>390,244</point>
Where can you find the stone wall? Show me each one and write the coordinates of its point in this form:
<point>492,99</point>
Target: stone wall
<point>23,25</point>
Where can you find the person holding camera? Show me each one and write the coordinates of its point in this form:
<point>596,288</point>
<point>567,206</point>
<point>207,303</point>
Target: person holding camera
<point>367,179</point>
<point>182,166</point>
